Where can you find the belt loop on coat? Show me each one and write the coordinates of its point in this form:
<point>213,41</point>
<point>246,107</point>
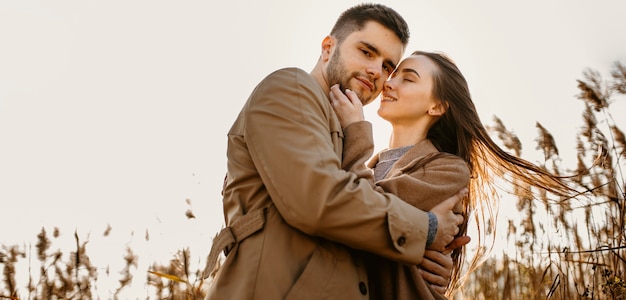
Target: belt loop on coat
<point>241,228</point>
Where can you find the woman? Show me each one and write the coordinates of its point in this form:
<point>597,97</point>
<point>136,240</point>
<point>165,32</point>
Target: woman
<point>437,146</point>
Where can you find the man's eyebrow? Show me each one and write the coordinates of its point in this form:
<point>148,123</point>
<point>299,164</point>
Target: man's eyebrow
<point>392,66</point>
<point>372,48</point>
<point>411,71</point>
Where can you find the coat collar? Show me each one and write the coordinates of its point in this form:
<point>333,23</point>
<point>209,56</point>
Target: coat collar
<point>410,158</point>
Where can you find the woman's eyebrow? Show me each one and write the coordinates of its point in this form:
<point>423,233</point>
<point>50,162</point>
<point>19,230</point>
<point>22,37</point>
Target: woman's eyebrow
<point>411,71</point>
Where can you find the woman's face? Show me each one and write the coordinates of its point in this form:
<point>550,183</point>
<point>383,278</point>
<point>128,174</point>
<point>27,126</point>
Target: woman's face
<point>407,95</point>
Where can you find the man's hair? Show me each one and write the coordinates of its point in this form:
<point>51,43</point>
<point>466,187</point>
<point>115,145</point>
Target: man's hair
<point>354,19</point>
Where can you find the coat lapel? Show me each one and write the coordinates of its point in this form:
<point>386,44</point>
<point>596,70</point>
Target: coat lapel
<point>411,157</point>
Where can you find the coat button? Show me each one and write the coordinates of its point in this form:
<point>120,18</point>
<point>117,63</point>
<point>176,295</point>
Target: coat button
<point>401,241</point>
<point>362,288</point>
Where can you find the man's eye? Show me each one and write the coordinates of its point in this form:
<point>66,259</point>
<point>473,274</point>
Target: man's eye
<point>367,53</point>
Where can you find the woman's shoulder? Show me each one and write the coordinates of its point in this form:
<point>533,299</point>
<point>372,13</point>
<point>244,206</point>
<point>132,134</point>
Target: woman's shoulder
<point>445,159</point>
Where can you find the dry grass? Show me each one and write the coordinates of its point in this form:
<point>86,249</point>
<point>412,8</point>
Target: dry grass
<point>72,276</point>
<point>569,248</point>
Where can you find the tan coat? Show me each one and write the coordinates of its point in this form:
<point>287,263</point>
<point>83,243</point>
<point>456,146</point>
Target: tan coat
<point>284,170</point>
<point>421,185</point>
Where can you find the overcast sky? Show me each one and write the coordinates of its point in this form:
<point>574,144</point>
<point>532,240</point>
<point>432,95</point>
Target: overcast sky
<point>116,112</point>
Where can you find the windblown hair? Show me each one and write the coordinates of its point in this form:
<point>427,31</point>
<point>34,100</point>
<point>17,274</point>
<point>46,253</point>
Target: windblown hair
<point>460,132</point>
<point>354,19</point>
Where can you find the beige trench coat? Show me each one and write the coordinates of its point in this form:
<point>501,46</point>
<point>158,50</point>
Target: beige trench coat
<point>293,215</point>
<point>421,185</point>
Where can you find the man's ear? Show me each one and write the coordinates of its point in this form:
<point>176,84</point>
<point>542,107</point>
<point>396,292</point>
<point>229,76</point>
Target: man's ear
<point>327,47</point>
<point>439,109</point>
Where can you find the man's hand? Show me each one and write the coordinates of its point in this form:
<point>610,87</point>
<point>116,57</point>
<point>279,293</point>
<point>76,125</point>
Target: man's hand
<point>436,268</point>
<point>447,221</point>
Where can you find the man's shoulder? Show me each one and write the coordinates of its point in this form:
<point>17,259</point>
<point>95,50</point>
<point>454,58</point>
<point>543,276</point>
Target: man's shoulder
<point>291,74</point>
<point>289,70</point>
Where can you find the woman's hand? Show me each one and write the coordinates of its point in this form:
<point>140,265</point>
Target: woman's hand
<point>436,269</point>
<point>347,106</point>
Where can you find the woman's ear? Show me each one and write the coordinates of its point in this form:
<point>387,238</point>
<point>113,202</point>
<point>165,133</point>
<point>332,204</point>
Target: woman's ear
<point>439,108</point>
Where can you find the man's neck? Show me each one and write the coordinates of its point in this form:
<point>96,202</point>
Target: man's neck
<point>318,74</point>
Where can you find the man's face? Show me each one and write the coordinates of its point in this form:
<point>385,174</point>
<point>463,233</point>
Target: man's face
<point>364,61</point>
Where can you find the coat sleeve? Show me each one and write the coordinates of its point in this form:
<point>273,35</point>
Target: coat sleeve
<point>358,147</point>
<point>291,143</point>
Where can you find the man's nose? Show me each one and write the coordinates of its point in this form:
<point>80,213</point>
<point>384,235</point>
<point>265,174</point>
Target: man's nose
<point>375,70</point>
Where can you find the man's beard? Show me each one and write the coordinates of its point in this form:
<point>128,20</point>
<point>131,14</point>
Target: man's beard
<point>337,74</point>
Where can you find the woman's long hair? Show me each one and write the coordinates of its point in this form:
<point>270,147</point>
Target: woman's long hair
<point>460,132</point>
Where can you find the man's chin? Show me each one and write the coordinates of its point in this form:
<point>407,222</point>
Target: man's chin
<point>366,98</point>
<point>366,102</point>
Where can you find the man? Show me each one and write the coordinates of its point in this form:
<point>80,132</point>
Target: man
<point>293,215</point>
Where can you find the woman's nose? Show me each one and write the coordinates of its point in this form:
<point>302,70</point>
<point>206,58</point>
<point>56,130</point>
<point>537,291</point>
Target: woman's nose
<point>388,85</point>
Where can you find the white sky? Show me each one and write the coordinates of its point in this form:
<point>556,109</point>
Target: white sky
<point>115,112</point>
